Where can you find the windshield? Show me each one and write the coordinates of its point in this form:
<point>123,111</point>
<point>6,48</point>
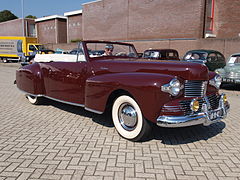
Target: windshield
<point>101,49</point>
<point>40,47</point>
<point>234,59</point>
<point>151,54</point>
<point>196,56</point>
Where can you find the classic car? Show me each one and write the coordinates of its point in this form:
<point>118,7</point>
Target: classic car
<point>139,92</point>
<point>231,72</point>
<point>161,54</point>
<point>211,58</point>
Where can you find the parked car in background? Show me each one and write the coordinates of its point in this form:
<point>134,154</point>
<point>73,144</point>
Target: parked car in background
<point>231,72</point>
<point>33,54</point>
<point>76,51</point>
<point>211,58</point>
<point>161,54</point>
<point>138,92</point>
<point>97,52</point>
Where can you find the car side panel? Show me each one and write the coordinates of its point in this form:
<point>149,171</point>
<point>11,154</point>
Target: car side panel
<point>65,81</point>
<point>145,88</point>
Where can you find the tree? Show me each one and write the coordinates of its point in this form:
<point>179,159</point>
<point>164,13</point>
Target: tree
<point>31,17</point>
<point>7,15</point>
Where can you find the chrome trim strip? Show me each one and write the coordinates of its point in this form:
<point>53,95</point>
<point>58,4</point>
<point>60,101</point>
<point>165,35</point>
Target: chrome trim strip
<point>94,111</point>
<point>61,101</point>
<point>66,102</point>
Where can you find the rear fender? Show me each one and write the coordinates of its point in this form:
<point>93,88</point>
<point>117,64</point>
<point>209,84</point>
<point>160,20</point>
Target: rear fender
<point>145,88</point>
<point>30,80</point>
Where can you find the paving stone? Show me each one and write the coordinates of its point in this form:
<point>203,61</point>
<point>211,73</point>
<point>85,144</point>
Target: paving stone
<point>60,142</point>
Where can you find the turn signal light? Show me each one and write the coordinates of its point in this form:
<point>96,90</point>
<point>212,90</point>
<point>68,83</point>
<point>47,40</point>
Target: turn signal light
<point>194,105</point>
<point>224,98</point>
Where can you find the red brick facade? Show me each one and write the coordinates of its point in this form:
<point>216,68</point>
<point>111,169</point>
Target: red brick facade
<point>227,18</point>
<point>143,19</point>
<point>15,28</point>
<point>51,29</point>
<point>160,19</point>
<point>74,27</point>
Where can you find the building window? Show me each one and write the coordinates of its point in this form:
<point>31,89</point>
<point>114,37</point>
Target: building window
<point>32,30</point>
<point>210,15</point>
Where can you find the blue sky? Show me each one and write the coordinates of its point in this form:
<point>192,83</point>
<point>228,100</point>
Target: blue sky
<point>41,8</point>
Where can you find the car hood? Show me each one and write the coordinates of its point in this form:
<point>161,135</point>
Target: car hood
<point>185,70</point>
<point>232,68</point>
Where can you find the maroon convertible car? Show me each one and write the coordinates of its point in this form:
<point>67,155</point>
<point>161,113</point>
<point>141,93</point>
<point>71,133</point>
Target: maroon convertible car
<point>139,92</point>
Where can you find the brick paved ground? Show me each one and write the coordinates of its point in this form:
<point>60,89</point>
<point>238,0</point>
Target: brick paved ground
<point>56,141</point>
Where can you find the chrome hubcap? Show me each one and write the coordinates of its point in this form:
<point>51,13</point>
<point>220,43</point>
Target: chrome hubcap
<point>127,116</point>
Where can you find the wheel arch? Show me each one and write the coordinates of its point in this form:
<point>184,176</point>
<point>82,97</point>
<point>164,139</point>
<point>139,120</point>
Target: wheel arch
<point>115,94</point>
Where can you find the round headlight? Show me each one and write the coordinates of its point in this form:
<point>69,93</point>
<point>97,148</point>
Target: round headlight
<point>175,87</point>
<point>216,81</point>
<point>194,105</point>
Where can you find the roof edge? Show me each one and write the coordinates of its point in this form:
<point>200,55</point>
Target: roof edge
<point>49,18</point>
<point>71,13</point>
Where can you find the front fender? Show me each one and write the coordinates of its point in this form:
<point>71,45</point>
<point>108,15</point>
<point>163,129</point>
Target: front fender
<point>145,88</point>
<point>30,80</point>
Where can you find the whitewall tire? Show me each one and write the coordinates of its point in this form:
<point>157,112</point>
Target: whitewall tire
<point>34,99</point>
<point>128,119</point>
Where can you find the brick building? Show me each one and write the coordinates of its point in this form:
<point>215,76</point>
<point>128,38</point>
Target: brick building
<point>160,19</point>
<point>15,28</point>
<point>226,18</point>
<point>52,29</point>
<point>74,25</point>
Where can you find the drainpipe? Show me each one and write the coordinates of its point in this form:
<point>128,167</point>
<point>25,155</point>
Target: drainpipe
<point>56,31</point>
<point>204,18</point>
<point>23,30</point>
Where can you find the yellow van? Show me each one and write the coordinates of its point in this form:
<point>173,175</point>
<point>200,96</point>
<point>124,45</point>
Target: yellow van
<point>13,48</point>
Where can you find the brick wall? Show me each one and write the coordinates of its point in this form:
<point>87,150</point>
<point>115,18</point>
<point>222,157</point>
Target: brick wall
<point>52,31</point>
<point>14,27</point>
<point>227,18</point>
<point>61,30</point>
<point>74,24</point>
<point>46,31</point>
<point>143,19</point>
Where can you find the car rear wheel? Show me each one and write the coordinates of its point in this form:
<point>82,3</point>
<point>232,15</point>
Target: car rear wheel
<point>128,119</point>
<point>34,99</point>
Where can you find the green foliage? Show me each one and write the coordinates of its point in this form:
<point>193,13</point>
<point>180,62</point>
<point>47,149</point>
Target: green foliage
<point>31,17</point>
<point>76,40</point>
<point>7,15</point>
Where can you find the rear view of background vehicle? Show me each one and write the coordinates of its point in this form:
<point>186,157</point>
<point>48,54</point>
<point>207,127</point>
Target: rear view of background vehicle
<point>161,54</point>
<point>211,58</point>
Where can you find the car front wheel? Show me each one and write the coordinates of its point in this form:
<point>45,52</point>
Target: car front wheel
<point>128,119</point>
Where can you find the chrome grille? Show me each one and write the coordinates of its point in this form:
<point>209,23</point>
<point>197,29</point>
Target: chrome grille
<point>195,88</point>
<point>212,99</point>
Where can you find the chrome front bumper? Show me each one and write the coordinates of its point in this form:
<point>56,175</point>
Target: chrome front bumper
<point>205,117</point>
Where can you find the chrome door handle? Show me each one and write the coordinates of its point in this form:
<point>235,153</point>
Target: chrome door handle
<point>103,68</point>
